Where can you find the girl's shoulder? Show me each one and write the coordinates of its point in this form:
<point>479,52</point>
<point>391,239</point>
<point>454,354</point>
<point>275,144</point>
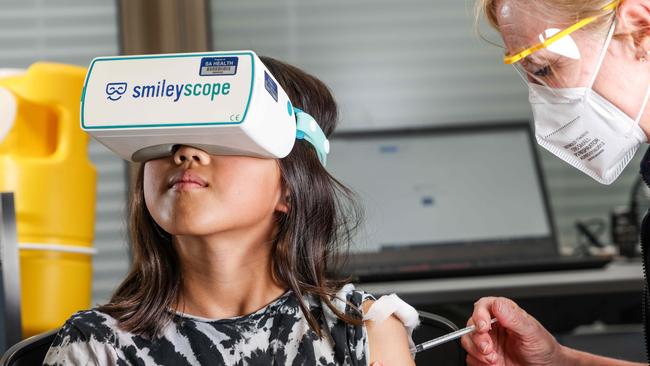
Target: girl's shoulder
<point>347,300</point>
<point>90,324</point>
<point>87,337</point>
<point>351,295</point>
<point>354,295</point>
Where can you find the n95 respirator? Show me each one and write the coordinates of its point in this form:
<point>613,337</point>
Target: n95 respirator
<point>226,103</point>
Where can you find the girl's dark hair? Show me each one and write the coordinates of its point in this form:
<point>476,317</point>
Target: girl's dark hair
<point>312,236</point>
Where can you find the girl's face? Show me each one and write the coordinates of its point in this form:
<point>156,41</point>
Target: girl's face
<point>195,193</point>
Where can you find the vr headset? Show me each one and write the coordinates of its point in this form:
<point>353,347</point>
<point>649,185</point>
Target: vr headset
<point>226,103</point>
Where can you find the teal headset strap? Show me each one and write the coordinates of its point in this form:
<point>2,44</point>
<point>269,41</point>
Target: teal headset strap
<point>307,129</point>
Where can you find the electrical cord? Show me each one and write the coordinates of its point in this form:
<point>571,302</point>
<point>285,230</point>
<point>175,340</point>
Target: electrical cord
<point>590,231</point>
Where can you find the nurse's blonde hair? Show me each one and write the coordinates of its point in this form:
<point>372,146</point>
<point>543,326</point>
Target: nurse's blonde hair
<point>563,11</point>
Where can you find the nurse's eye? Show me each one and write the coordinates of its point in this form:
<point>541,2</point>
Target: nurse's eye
<point>543,71</point>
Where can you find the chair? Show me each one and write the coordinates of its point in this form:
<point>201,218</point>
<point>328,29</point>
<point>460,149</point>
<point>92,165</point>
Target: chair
<point>30,351</point>
<point>448,354</point>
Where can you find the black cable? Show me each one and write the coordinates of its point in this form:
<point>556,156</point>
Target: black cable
<point>591,230</point>
<point>645,256</point>
<point>634,196</point>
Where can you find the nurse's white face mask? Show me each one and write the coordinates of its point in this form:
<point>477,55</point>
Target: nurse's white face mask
<point>585,129</point>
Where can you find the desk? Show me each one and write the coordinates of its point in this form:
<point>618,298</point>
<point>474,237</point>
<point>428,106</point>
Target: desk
<point>616,277</point>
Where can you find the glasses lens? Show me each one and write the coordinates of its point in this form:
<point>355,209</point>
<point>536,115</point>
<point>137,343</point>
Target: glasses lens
<point>571,61</point>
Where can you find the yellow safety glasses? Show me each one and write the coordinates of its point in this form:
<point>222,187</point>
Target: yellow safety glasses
<point>528,51</point>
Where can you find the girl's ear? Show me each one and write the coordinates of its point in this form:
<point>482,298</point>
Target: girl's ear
<point>283,202</point>
<point>634,17</point>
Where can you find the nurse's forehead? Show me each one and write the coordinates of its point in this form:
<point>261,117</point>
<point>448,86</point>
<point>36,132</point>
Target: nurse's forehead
<point>521,21</point>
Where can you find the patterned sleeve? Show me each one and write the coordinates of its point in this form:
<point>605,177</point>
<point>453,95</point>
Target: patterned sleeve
<point>350,341</point>
<point>79,343</point>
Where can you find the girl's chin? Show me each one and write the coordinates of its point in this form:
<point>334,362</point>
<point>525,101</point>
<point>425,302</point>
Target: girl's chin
<point>192,229</point>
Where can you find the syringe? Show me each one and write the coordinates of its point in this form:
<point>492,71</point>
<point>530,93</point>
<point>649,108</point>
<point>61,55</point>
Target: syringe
<point>445,338</point>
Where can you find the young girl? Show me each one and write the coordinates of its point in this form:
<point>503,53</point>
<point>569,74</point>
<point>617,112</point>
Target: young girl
<point>231,256</point>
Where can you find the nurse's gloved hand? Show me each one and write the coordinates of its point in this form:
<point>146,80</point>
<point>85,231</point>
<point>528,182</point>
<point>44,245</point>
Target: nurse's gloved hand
<point>516,339</point>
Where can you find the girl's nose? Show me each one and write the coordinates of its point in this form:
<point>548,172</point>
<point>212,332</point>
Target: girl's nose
<point>191,154</point>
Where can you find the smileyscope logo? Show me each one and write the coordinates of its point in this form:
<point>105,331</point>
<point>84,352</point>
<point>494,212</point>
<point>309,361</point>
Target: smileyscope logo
<point>114,91</point>
<point>172,91</point>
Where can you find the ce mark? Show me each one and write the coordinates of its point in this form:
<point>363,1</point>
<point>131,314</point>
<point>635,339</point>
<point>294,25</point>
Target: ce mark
<point>235,117</point>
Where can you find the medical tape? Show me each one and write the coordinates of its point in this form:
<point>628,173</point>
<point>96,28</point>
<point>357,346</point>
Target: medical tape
<point>388,305</point>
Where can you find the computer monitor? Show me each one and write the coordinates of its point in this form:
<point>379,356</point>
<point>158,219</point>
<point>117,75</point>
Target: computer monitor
<point>444,196</point>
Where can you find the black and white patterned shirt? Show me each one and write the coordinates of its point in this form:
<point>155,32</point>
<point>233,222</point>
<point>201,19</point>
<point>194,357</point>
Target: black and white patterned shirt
<point>277,334</point>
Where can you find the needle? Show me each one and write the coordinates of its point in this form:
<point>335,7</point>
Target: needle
<point>446,338</point>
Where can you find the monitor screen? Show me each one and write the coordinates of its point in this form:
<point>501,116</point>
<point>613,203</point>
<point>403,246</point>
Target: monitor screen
<point>431,188</point>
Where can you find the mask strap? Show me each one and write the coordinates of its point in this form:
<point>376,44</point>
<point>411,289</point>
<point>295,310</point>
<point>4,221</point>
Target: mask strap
<point>610,35</point>
<point>307,129</point>
<point>645,102</point>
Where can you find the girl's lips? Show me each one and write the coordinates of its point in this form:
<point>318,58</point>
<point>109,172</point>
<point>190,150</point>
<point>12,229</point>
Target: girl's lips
<point>187,185</point>
<point>185,180</point>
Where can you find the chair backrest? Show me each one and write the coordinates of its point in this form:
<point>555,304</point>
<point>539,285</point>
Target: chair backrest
<point>30,351</point>
<point>448,354</point>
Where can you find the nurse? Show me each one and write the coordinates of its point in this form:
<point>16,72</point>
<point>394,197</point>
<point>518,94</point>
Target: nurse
<point>587,67</point>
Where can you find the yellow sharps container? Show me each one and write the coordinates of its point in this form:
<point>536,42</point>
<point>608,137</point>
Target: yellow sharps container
<point>44,161</point>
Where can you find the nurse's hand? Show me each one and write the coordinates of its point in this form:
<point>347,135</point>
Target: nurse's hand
<point>519,339</point>
<point>516,339</point>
